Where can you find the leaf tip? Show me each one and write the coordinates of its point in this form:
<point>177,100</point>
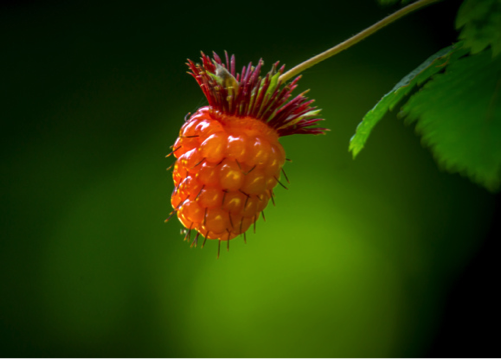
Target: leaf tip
<point>354,148</point>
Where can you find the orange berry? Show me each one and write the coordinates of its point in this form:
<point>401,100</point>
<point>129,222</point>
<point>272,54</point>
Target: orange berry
<point>218,191</point>
<point>233,202</point>
<point>211,197</point>
<point>231,176</point>
<point>254,183</point>
<point>216,220</point>
<point>259,152</point>
<point>229,158</point>
<point>213,148</point>
<point>190,159</point>
<point>193,211</point>
<point>208,174</point>
<point>262,203</point>
<point>236,147</point>
<point>250,207</point>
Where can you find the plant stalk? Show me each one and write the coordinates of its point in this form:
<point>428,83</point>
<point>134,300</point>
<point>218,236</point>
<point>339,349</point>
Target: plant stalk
<point>355,39</point>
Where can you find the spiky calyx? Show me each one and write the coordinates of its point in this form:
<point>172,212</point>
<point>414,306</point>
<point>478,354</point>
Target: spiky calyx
<point>247,94</point>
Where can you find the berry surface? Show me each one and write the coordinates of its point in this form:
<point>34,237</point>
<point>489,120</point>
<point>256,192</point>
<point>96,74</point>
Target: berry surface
<point>225,173</point>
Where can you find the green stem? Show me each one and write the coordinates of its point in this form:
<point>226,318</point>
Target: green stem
<point>355,39</point>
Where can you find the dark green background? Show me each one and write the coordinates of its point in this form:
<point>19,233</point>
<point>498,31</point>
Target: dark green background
<point>382,256</point>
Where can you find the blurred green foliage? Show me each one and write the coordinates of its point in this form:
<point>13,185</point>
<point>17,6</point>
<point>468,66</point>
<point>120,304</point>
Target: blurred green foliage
<point>458,111</point>
<point>355,260</point>
<point>417,77</point>
<point>459,118</point>
<point>479,21</point>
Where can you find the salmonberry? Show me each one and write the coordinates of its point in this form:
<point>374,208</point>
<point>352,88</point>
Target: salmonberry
<point>229,158</point>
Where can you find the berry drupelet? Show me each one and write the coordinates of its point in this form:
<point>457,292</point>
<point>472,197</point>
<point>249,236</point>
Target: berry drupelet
<point>229,158</point>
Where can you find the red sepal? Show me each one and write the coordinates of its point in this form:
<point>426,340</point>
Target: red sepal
<point>247,94</point>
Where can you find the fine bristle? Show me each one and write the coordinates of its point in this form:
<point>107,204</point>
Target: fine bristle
<point>285,176</point>
<point>195,240</point>
<point>205,238</point>
<point>247,94</point>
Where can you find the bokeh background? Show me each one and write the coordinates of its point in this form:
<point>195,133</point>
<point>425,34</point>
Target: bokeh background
<point>382,256</point>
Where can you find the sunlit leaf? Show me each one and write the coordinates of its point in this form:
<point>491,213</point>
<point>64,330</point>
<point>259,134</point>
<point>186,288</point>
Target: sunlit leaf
<point>458,114</point>
<point>422,73</point>
<point>480,24</point>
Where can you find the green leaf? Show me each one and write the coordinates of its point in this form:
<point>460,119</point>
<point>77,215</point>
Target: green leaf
<point>480,24</point>
<point>458,114</point>
<point>422,73</point>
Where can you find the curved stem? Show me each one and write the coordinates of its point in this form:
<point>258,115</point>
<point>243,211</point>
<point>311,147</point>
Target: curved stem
<point>355,39</point>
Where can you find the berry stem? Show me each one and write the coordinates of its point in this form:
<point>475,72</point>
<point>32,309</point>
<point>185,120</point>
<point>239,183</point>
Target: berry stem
<point>354,39</point>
